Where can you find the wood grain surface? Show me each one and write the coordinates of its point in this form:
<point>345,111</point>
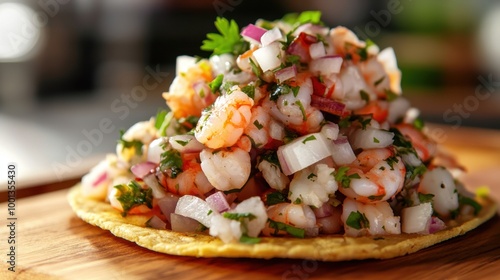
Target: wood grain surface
<point>52,243</point>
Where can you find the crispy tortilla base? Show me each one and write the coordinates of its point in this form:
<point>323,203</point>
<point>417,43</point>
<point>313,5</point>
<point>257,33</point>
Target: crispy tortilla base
<point>324,248</point>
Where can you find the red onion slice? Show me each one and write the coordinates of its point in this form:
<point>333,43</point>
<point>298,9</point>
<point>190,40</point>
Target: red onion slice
<point>218,202</point>
<point>183,224</point>
<point>253,33</point>
<point>142,169</point>
<point>100,179</point>
<point>167,205</point>
<point>327,105</point>
<point>286,73</point>
<point>300,46</point>
<point>324,211</point>
<point>156,222</point>
<point>436,225</point>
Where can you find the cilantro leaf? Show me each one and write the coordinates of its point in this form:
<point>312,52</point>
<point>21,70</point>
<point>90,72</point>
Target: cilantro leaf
<point>133,195</point>
<point>228,41</point>
<point>342,177</point>
<point>463,200</point>
<point>134,144</point>
<point>216,83</point>
<point>171,163</point>
<point>245,239</point>
<point>275,198</point>
<point>293,231</point>
<point>238,216</point>
<point>425,197</point>
<point>357,220</point>
<point>313,17</point>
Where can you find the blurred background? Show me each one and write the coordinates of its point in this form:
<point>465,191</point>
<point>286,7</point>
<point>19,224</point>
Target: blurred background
<point>73,73</point>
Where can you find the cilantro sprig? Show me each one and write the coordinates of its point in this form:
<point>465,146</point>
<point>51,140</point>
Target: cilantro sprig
<point>228,41</point>
<point>132,195</point>
<point>134,144</point>
<point>342,177</point>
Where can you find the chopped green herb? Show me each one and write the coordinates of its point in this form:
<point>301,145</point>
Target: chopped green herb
<point>313,17</point>
<point>249,90</point>
<point>182,143</point>
<point>297,201</point>
<point>245,239</point>
<point>357,220</point>
<point>391,160</point>
<point>375,140</point>
<point>171,163</point>
<point>312,176</point>
<point>363,52</point>
<point>160,117</point>
<point>390,95</point>
<point>302,109</point>
<point>419,124</point>
<point>258,125</point>
<point>309,138</point>
<point>376,197</point>
<point>342,177</point>
<point>255,68</point>
<point>463,200</point>
<point>293,231</point>
<point>292,59</point>
<point>345,122</point>
<point>364,95</point>
<point>228,41</point>
<point>209,212</point>
<point>275,198</point>
<point>425,197</point>
<point>132,195</point>
<point>377,82</point>
<point>238,216</point>
<point>216,83</point>
<point>134,144</point>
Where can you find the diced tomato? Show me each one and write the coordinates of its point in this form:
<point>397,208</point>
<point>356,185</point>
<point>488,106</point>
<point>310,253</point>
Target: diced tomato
<point>378,110</point>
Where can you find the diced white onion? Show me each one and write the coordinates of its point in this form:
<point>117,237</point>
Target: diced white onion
<point>341,151</point>
<point>155,149</point>
<point>268,57</point>
<point>416,219</point>
<point>195,208</point>
<point>326,65</point>
<point>397,109</point>
<point>317,50</point>
<point>440,183</point>
<point>302,152</point>
<point>271,36</point>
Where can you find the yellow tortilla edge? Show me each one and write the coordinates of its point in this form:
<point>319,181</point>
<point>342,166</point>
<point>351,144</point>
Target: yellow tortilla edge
<point>322,248</point>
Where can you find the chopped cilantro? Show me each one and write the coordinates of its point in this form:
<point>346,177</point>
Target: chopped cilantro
<point>182,143</point>
<point>171,163</point>
<point>377,82</point>
<point>292,59</point>
<point>375,140</point>
<point>255,68</point>
<point>342,177</point>
<point>238,216</point>
<point>312,176</point>
<point>283,89</point>
<point>271,156</point>
<point>376,197</point>
<point>134,144</point>
<point>293,231</point>
<point>216,83</point>
<point>209,212</point>
<point>418,123</point>
<point>357,220</point>
<point>302,109</point>
<point>160,117</point>
<point>228,41</point>
<point>245,239</point>
<point>463,200</point>
<point>345,122</point>
<point>363,52</point>
<point>390,95</point>
<point>249,90</point>
<point>309,138</point>
<point>275,198</point>
<point>133,195</point>
<point>391,160</point>
<point>364,95</point>
<point>297,201</point>
<point>258,125</point>
<point>425,197</point>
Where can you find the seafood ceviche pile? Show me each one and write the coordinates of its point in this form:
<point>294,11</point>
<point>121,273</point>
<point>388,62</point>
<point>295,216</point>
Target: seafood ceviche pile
<point>289,128</point>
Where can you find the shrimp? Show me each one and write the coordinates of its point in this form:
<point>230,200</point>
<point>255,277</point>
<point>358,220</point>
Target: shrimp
<point>346,43</point>
<point>294,109</point>
<point>313,185</point>
<point>223,124</point>
<point>369,219</point>
<point>189,92</point>
<point>226,169</point>
<point>440,183</point>
<point>296,215</point>
<point>424,146</point>
<point>381,73</point>
<point>273,175</point>
<point>191,181</point>
<point>381,176</point>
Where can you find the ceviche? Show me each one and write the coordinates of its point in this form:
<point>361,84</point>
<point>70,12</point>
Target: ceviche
<point>289,128</point>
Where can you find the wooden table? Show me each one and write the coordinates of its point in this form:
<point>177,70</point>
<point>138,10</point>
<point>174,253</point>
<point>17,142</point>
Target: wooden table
<point>52,243</point>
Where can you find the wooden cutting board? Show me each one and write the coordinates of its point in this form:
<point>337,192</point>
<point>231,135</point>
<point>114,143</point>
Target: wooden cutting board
<point>52,243</point>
